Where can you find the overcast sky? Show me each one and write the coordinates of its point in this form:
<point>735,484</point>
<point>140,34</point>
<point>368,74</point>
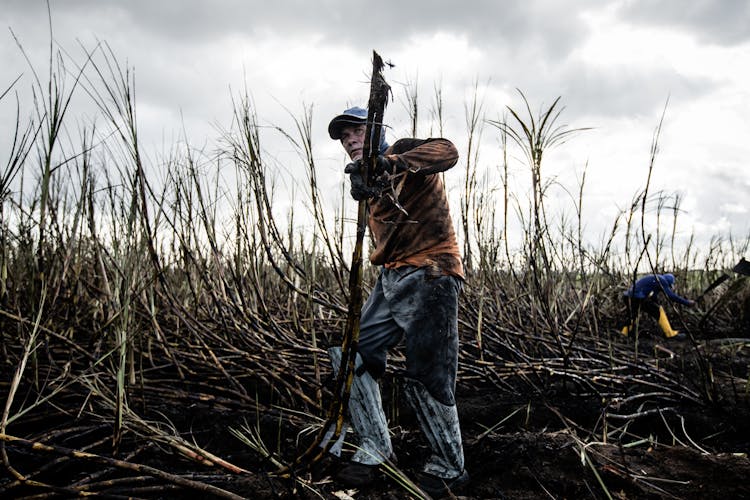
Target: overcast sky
<point>615,63</point>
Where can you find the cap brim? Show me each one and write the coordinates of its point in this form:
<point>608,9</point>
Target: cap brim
<point>341,121</point>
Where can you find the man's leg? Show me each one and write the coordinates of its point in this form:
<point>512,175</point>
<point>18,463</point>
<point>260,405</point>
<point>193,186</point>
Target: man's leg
<point>439,422</point>
<point>656,311</point>
<point>426,307</point>
<point>378,332</point>
<point>366,414</point>
<point>666,328</point>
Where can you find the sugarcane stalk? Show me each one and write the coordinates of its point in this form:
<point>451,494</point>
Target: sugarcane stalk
<point>100,459</point>
<point>342,387</point>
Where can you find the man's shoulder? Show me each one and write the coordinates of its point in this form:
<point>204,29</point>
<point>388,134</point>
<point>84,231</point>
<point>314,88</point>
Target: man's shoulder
<point>406,144</point>
<point>646,282</point>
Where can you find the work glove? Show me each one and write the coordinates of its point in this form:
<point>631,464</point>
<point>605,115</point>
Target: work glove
<point>359,189</point>
<point>382,166</point>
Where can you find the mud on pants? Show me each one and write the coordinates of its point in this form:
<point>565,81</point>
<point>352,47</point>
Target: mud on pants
<point>420,307</point>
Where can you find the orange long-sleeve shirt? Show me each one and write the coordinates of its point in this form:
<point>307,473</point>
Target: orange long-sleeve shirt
<point>420,232</point>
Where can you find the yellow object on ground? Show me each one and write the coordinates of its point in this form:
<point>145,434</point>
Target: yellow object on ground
<point>664,324</point>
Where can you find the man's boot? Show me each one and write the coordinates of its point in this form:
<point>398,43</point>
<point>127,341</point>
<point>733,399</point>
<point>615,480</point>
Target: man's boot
<point>444,470</point>
<point>666,328</point>
<point>368,421</point>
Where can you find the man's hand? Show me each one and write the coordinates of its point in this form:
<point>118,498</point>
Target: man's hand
<point>354,167</point>
<point>382,165</point>
<point>359,189</point>
<point>380,177</point>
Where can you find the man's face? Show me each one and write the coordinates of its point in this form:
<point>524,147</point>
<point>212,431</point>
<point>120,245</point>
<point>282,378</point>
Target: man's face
<point>353,140</point>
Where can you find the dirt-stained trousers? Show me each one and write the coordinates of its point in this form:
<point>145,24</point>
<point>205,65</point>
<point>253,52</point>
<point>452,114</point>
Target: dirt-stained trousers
<point>420,307</point>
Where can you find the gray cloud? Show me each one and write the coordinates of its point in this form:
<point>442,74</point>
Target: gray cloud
<point>722,22</point>
<point>528,45</point>
<point>626,91</point>
<point>717,190</point>
<point>545,25</point>
<point>187,53</point>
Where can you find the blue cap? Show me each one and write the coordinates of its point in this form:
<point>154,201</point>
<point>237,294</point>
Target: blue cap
<point>351,116</point>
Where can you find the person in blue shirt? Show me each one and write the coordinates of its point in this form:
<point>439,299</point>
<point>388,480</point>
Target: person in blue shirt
<point>643,296</point>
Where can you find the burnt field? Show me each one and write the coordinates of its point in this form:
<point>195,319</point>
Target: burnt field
<point>164,322</point>
<point>216,405</point>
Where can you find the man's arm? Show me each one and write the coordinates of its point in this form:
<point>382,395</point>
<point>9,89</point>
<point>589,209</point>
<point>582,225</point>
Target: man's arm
<point>676,298</point>
<point>673,296</point>
<point>423,156</point>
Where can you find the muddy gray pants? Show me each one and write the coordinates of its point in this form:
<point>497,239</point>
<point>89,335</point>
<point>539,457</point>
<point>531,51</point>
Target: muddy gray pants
<point>412,304</point>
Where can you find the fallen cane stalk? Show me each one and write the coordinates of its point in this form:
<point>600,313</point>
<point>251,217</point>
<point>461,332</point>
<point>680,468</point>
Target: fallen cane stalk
<point>140,468</point>
<point>28,476</point>
<point>641,414</point>
<point>684,431</point>
<point>204,457</point>
<point>153,432</point>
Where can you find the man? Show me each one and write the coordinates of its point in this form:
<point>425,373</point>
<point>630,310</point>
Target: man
<point>643,296</point>
<point>415,299</point>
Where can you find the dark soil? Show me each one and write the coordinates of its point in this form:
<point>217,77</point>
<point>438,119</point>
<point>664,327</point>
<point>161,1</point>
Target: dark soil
<point>533,455</point>
<point>545,446</point>
<point>554,442</point>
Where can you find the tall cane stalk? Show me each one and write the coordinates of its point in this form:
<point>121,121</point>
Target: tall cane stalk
<point>379,90</point>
